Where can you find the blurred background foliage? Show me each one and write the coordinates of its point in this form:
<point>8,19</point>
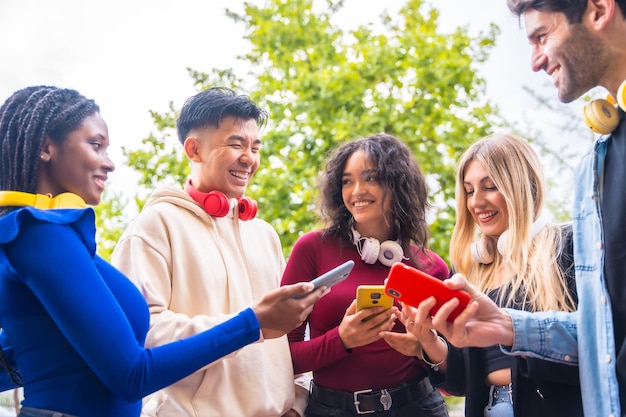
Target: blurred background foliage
<point>323,86</point>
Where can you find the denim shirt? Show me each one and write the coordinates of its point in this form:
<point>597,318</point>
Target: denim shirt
<point>553,335</point>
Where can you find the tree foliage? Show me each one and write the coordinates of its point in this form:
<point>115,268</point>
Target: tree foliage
<point>324,85</point>
<point>560,141</point>
<point>110,223</point>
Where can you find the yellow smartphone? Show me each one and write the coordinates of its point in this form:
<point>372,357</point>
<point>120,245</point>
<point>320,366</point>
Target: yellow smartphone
<point>368,296</point>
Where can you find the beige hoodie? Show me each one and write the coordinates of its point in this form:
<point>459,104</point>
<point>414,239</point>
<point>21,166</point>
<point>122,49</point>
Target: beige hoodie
<point>196,271</point>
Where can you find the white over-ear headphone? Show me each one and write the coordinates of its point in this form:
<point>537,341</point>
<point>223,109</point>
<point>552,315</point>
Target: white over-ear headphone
<point>388,253</point>
<point>483,248</point>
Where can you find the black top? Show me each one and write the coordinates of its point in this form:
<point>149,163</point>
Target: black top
<point>492,356</point>
<point>613,205</point>
<point>540,387</point>
<point>494,359</point>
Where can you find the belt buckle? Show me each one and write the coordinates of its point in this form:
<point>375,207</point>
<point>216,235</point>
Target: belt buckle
<point>385,399</point>
<point>357,402</point>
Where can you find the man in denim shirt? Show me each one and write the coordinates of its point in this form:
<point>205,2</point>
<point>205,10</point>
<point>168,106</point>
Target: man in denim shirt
<point>581,44</point>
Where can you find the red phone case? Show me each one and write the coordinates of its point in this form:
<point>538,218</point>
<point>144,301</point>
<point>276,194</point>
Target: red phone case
<point>411,286</point>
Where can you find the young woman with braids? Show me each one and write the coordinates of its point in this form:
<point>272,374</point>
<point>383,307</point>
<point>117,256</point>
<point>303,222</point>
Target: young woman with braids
<point>72,325</point>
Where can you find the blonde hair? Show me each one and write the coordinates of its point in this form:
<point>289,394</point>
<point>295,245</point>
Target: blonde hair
<point>537,280</point>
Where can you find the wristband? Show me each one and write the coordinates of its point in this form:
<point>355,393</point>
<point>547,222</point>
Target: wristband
<point>434,366</point>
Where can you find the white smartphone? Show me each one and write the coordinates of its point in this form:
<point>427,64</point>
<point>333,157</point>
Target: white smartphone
<point>330,278</point>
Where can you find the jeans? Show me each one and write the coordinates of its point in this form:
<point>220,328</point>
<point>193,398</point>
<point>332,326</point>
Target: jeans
<point>38,412</point>
<point>500,401</point>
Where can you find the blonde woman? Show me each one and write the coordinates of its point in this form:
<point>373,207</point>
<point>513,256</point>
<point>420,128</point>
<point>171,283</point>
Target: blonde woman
<point>505,247</point>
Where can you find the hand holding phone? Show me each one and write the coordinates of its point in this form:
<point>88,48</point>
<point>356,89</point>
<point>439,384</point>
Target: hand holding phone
<point>330,278</point>
<point>412,286</point>
<point>368,296</point>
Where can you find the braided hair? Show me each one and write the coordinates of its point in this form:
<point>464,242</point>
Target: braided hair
<point>26,119</point>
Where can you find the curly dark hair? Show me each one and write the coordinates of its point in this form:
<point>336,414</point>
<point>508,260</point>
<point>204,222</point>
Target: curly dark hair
<point>398,173</point>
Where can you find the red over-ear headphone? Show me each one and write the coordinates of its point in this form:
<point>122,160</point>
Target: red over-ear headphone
<point>216,204</point>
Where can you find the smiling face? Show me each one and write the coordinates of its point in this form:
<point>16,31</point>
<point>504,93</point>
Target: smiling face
<point>365,198</point>
<point>484,201</point>
<point>569,53</point>
<point>79,164</point>
<point>225,158</point>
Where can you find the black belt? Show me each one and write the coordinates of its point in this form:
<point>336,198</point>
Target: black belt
<point>500,394</point>
<point>368,401</point>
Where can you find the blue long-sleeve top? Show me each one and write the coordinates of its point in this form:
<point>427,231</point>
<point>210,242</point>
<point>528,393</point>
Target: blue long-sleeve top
<point>76,325</point>
<point>6,382</point>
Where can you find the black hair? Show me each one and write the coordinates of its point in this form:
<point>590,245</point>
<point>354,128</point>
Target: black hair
<point>26,118</point>
<point>572,9</point>
<point>398,173</point>
<point>211,106</point>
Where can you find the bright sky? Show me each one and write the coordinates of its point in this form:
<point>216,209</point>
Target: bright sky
<point>131,56</point>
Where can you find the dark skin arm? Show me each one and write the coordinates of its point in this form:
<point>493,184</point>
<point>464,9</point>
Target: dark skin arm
<point>279,313</point>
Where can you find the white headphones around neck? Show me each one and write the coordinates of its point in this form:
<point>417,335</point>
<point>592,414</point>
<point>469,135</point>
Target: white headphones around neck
<point>483,248</point>
<point>388,253</point>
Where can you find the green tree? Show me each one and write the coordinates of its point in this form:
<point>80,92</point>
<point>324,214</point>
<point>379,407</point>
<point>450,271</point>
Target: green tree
<point>323,86</point>
<point>159,160</point>
<point>560,142</point>
<point>110,223</point>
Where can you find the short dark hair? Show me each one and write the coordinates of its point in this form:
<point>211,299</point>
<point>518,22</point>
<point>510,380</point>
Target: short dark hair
<point>26,118</point>
<point>572,9</point>
<point>211,106</point>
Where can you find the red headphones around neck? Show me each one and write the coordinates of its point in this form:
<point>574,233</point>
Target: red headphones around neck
<point>216,204</point>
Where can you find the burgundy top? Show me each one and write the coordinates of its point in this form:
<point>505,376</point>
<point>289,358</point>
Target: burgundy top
<point>374,366</point>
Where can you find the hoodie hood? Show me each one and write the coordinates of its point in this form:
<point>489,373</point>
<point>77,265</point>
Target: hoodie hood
<point>179,197</point>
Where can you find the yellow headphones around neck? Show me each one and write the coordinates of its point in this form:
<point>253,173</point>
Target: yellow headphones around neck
<point>601,115</point>
<point>41,201</point>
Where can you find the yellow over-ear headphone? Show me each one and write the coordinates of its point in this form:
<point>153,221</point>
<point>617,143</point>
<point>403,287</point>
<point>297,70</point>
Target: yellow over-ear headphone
<point>601,115</point>
<point>41,201</point>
